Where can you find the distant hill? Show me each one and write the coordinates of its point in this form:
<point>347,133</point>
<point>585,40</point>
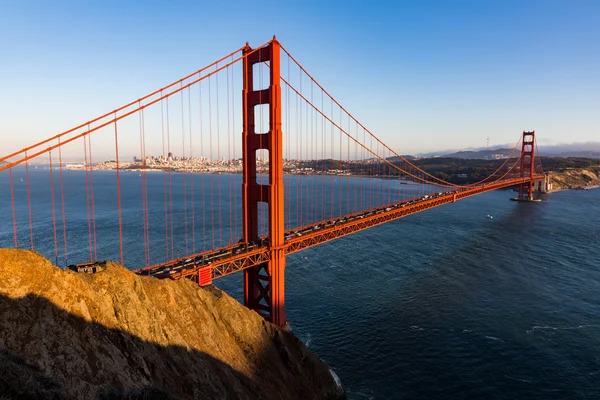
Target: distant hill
<point>504,153</point>
<point>2,163</point>
<point>586,150</point>
<point>406,157</point>
<point>481,154</point>
<point>585,154</point>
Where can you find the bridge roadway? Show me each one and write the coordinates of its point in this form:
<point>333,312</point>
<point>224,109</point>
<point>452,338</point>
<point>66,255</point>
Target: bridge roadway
<point>230,259</point>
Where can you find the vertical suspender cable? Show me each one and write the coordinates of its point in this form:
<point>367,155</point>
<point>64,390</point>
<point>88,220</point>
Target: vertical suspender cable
<point>211,157</point>
<point>53,210</point>
<point>164,160</point>
<point>302,163</point>
<point>323,161</point>
<point>233,134</point>
<point>218,161</point>
<point>355,206</point>
<point>191,169</point>
<point>350,168</point>
<point>365,193</point>
<point>118,176</point>
<point>87,195</point>
<point>380,187</point>
<point>369,185</point>
<point>308,151</point>
<point>143,159</point>
<point>14,215</point>
<point>386,173</point>
<point>183,162</point>
<point>62,199</point>
<point>341,164</point>
<point>539,157</point>
<point>288,150</point>
<point>389,178</point>
<point>374,186</point>
<point>377,183</point>
<point>332,179</point>
<point>29,203</point>
<point>145,182</point>
<point>312,194</point>
<point>203,210</point>
<point>298,156</point>
<point>170,166</point>
<point>92,195</point>
<point>230,183</point>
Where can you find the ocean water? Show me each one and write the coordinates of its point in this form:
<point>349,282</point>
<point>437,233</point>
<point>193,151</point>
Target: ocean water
<point>451,304</point>
<point>443,304</point>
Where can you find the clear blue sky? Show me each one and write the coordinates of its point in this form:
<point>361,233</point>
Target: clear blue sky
<point>423,75</point>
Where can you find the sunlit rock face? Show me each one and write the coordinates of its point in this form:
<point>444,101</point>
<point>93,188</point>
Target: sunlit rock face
<point>577,178</point>
<point>111,334</point>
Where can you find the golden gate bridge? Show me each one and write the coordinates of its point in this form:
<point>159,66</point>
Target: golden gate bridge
<point>292,130</point>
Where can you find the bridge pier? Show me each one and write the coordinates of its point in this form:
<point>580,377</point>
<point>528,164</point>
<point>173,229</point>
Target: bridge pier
<point>543,185</point>
<point>264,284</point>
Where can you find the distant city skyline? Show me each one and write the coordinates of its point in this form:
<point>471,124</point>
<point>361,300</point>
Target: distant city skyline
<point>427,76</point>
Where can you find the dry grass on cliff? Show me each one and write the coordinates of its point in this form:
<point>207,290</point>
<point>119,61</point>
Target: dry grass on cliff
<point>114,333</point>
<point>576,178</point>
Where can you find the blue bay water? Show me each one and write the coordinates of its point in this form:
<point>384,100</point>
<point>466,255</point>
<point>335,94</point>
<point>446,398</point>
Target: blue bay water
<point>442,304</point>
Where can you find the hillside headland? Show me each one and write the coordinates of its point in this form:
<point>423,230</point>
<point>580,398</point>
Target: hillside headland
<point>576,178</point>
<point>114,334</point>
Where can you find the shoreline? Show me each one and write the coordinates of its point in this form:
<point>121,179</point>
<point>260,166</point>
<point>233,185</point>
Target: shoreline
<point>386,177</point>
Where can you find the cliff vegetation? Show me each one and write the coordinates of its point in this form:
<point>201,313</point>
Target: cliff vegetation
<point>576,178</point>
<point>113,334</point>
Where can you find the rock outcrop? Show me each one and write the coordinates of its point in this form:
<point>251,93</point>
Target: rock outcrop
<point>576,178</point>
<point>114,334</point>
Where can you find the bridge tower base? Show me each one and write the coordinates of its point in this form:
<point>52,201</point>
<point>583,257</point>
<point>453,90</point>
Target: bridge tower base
<point>264,285</point>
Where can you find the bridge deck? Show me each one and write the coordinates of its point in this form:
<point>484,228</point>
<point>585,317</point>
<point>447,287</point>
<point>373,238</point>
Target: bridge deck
<point>230,259</point>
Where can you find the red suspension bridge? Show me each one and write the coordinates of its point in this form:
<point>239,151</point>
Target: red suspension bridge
<point>297,158</point>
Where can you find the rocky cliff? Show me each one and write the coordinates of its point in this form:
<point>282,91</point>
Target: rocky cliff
<point>576,178</point>
<point>114,334</point>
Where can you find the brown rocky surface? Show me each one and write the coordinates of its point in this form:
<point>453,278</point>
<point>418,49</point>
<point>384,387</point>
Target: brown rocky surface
<point>114,334</point>
<point>576,178</point>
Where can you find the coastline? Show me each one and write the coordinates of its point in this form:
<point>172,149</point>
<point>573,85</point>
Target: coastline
<point>576,179</point>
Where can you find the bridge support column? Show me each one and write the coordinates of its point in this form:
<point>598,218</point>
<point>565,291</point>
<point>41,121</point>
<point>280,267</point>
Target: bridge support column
<point>527,166</point>
<point>264,288</point>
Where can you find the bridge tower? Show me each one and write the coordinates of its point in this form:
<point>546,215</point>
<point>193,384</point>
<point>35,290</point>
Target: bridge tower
<point>527,166</point>
<point>264,287</point>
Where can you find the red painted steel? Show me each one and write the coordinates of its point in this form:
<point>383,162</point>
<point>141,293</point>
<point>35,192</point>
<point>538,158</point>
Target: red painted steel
<point>205,276</point>
<point>264,284</point>
<point>527,165</point>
